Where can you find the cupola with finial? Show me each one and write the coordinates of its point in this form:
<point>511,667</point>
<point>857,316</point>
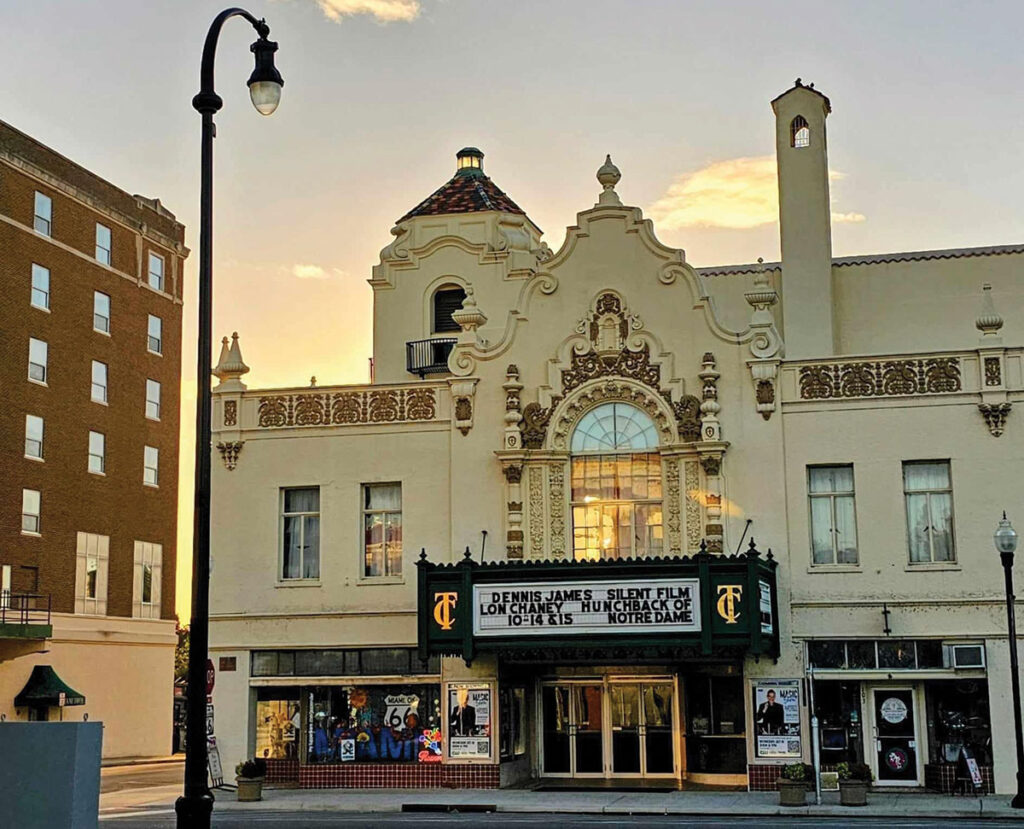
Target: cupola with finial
<point>469,162</point>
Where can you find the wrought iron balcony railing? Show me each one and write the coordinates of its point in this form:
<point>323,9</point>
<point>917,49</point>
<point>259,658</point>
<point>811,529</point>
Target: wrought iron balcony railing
<point>425,357</point>
<point>24,608</point>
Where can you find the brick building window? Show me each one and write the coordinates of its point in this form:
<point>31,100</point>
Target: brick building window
<point>928,492</point>
<point>300,533</point>
<point>102,244</point>
<point>382,530</point>
<point>33,436</point>
<point>37,360</point>
<point>43,219</point>
<point>151,466</point>
<point>155,342</point>
<point>152,399</point>
<point>31,506</point>
<point>92,560</point>
<point>99,382</point>
<point>156,271</point>
<point>146,587</point>
<point>100,312</point>
<point>40,287</point>
<point>97,453</point>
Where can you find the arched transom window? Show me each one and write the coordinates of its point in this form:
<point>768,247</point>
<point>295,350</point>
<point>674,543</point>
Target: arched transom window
<point>616,484</point>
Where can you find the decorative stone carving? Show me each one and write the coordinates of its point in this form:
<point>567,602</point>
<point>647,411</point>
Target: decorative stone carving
<point>469,317</point>
<point>712,464</point>
<point>230,412</point>
<point>711,429</point>
<point>229,452</point>
<point>347,407</point>
<point>989,321</point>
<point>230,366</point>
<point>515,506</point>
<point>673,498</point>
<point>535,425</point>
<point>608,390</point>
<point>513,438</point>
<point>536,515</point>
<point>765,344</point>
<point>764,394</point>
<point>463,392</point>
<point>883,378</point>
<point>556,508</point>
<point>634,364</point>
<point>995,415</point>
<point>691,483</point>
<point>513,473</point>
<point>608,175</point>
<point>993,371</point>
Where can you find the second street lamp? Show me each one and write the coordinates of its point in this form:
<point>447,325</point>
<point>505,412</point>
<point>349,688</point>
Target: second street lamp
<point>196,804</point>
<point>1006,543</point>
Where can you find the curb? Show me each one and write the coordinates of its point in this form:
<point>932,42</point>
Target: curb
<point>116,762</point>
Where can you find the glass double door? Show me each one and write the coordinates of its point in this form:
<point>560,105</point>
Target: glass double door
<point>610,728</point>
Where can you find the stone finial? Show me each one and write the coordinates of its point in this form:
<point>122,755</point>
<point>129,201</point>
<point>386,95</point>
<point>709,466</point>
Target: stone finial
<point>608,175</point>
<point>230,367</point>
<point>312,382</point>
<point>469,316</point>
<point>988,322</point>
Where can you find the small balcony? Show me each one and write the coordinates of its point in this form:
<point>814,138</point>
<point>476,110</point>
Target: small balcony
<point>25,615</point>
<point>425,357</point>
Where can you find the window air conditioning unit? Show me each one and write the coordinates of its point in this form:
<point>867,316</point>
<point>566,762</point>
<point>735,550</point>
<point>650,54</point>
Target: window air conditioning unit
<point>964,655</point>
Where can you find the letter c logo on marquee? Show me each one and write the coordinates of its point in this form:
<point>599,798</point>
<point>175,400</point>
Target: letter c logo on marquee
<point>444,604</point>
<point>728,597</point>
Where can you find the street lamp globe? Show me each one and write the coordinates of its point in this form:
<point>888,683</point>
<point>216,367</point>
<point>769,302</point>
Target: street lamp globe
<point>1005,536</point>
<point>265,82</point>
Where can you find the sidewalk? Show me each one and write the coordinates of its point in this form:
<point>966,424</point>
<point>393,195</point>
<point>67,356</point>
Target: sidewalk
<point>364,801</point>
<point>117,762</point>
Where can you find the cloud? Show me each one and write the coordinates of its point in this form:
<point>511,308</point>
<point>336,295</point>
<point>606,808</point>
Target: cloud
<point>384,11</point>
<point>738,193</point>
<point>309,272</point>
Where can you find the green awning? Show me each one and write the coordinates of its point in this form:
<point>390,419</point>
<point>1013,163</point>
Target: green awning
<point>44,687</point>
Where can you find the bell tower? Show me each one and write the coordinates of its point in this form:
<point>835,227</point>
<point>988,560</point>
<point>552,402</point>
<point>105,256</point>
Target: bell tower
<point>805,222</point>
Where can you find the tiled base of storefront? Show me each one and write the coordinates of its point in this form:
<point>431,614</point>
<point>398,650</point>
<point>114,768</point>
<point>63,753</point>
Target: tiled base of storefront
<point>937,778</point>
<point>398,776</point>
<point>282,772</point>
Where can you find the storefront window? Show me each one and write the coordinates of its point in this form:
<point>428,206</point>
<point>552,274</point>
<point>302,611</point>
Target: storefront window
<point>277,723</point>
<point>837,705</point>
<point>513,722</point>
<point>958,719</point>
<point>373,724</point>
<point>337,662</point>
<point>883,654</point>
<point>715,741</point>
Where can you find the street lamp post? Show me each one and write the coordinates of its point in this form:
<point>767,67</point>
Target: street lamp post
<point>196,804</point>
<point>1006,544</point>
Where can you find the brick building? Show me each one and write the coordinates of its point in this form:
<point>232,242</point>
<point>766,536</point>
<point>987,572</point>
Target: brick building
<point>90,333</point>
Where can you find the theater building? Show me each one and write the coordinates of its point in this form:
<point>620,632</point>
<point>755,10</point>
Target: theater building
<point>605,517</point>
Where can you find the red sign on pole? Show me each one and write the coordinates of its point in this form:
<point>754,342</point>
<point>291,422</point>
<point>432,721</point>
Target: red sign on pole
<point>210,676</point>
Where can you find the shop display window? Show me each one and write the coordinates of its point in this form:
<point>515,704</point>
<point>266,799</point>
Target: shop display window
<point>513,722</point>
<point>958,718</point>
<point>716,725</point>
<point>373,724</point>
<point>338,662</point>
<point>870,655</point>
<point>278,723</point>
<point>837,705</point>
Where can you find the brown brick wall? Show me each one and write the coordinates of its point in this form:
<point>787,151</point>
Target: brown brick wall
<point>118,504</point>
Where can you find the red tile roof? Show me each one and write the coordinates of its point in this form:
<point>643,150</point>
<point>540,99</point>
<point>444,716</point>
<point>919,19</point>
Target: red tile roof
<point>465,194</point>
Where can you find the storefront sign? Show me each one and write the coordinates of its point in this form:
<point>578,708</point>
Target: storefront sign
<point>398,707</point>
<point>728,606</point>
<point>777,718</point>
<point>893,710</point>
<point>553,608</point>
<point>765,604</point>
<point>213,764</point>
<point>469,721</point>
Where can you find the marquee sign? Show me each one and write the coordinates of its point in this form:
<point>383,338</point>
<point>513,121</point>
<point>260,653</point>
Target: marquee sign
<point>699,605</point>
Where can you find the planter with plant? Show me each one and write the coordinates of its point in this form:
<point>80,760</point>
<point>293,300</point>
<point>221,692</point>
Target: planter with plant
<point>793,783</point>
<point>249,777</point>
<point>854,780</point>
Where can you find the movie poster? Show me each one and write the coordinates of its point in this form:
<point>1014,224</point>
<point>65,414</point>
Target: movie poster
<point>469,721</point>
<point>777,718</point>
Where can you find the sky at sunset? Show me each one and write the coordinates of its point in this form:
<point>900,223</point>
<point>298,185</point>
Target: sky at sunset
<point>925,138</point>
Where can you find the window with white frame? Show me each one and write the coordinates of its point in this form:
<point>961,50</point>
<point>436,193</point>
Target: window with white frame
<point>146,587</point>
<point>151,466</point>
<point>300,533</point>
<point>92,561</point>
<point>43,219</point>
<point>99,382</point>
<point>156,271</point>
<point>382,530</point>
<point>97,453</point>
<point>100,312</point>
<point>155,342</point>
<point>152,399</point>
<point>40,287</point>
<point>833,514</point>
<point>5,585</point>
<point>37,360</point>
<point>928,492</point>
<point>33,436</point>
<point>31,505</point>
<point>102,244</point>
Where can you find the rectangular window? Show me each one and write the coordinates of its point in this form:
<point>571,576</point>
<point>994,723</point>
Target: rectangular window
<point>40,287</point>
<point>146,589</point>
<point>928,492</point>
<point>156,271</point>
<point>43,214</point>
<point>382,530</point>
<point>300,527</point>
<point>152,400</point>
<point>99,382</point>
<point>833,515</point>
<point>33,437</point>
<point>31,504</point>
<point>156,337</point>
<point>151,466</point>
<point>102,244</point>
<point>92,560</point>
<point>100,312</point>
<point>97,453</point>
<point>37,360</point>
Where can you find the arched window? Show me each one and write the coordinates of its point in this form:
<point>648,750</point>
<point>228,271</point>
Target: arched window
<point>616,484</point>
<point>799,132</point>
<point>447,300</point>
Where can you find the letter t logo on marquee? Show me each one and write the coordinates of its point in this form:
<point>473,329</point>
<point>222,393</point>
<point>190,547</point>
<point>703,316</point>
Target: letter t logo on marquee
<point>444,604</point>
<point>728,598</point>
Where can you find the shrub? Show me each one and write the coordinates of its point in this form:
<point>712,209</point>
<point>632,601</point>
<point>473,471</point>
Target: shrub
<point>855,771</point>
<point>798,772</point>
<point>252,769</point>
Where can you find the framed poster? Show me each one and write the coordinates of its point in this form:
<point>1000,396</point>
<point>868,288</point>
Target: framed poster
<point>777,718</point>
<point>469,721</point>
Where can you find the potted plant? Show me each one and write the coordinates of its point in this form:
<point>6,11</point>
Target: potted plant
<point>793,784</point>
<point>854,779</point>
<point>249,777</point>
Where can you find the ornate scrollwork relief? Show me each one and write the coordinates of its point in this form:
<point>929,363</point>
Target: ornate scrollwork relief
<point>230,412</point>
<point>535,500</point>
<point>347,407</point>
<point>229,452</point>
<point>995,415</point>
<point>993,372</point>
<point>673,498</point>
<point>556,507</point>
<point>691,484</point>
<point>535,425</point>
<point>932,375</point>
